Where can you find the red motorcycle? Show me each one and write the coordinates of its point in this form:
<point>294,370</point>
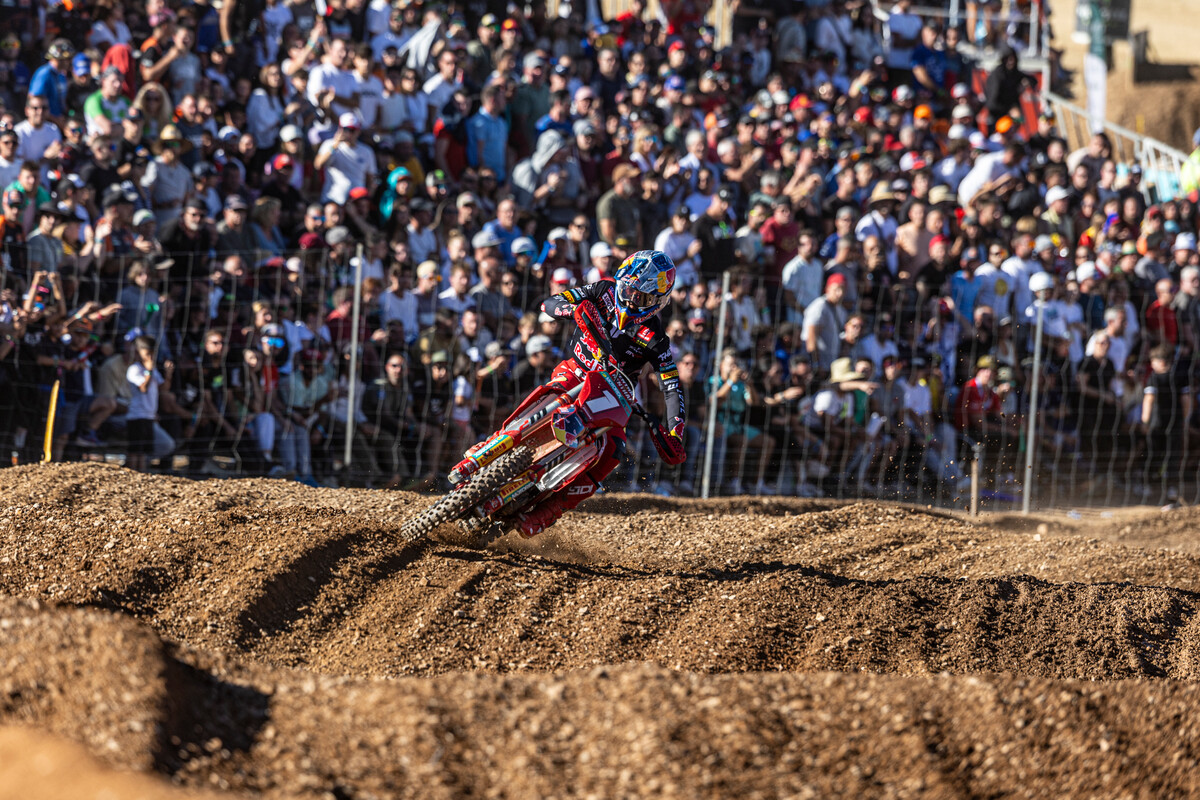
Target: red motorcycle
<point>540,450</point>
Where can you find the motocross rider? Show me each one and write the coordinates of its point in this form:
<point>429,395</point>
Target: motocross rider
<point>624,308</point>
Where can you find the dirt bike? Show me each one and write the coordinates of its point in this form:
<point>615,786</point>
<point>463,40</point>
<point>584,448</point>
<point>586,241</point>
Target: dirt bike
<point>537,452</point>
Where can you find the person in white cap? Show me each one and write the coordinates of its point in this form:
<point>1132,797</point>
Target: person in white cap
<point>348,163</point>
<point>1057,217</point>
<point>1184,251</point>
<point>601,258</point>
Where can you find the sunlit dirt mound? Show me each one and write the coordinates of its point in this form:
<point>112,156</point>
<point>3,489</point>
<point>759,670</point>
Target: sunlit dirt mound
<point>264,637</point>
<point>620,731</point>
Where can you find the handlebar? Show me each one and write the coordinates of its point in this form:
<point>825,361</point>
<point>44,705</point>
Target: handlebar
<point>601,339</point>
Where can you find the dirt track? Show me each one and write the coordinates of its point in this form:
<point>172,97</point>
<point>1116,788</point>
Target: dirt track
<point>262,637</point>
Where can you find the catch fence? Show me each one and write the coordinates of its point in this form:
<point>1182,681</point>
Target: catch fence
<point>754,391</point>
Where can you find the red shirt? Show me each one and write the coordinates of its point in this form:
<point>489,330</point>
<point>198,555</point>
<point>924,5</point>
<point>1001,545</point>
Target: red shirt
<point>974,401</point>
<point>1161,320</point>
<point>786,241</point>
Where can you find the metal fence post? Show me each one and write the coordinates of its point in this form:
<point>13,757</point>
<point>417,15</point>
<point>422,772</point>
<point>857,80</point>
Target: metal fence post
<point>712,400</point>
<point>1027,493</point>
<point>352,394</point>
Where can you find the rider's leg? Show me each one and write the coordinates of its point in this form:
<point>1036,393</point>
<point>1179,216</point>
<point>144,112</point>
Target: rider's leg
<point>546,513</point>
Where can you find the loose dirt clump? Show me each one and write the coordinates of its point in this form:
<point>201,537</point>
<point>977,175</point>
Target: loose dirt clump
<point>260,637</point>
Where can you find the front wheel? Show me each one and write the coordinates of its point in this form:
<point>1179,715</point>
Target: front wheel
<point>458,503</point>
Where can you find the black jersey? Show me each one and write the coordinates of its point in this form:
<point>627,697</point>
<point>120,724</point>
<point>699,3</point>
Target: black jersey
<point>643,343</point>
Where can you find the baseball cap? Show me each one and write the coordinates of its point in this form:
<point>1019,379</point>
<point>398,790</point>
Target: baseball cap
<point>978,140</point>
<point>583,127</point>
<point>282,161</point>
<point>496,350</point>
<point>557,233</point>
<point>294,264</point>
<point>228,133</point>
<point>1185,241</point>
<point>835,279</point>
<point>349,120</point>
<point>203,169</point>
<point>485,238</point>
<point>290,133</point>
<point>725,193</point>
<point>337,234</point>
<point>683,211</point>
<point>359,192</point>
<point>1043,242</point>
<point>439,357</point>
<point>986,362</point>
<point>533,60</point>
<point>1056,193</point>
<point>198,204</point>
<point>961,112</point>
<point>523,244</point>
<point>142,217</point>
<point>466,199</point>
<point>311,241</point>
<point>235,203</point>
<point>562,275</point>
<point>600,250</point>
<point>676,45</point>
<point>428,269</point>
<point>675,83</point>
<point>538,344</point>
<point>81,64</point>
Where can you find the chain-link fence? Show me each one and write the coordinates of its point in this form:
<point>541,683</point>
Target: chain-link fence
<point>830,380</point>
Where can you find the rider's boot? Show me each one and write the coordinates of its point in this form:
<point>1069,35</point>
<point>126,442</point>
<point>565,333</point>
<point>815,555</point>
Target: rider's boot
<point>532,522</point>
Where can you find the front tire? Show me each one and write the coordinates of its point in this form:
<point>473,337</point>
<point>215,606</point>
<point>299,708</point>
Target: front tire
<point>458,503</point>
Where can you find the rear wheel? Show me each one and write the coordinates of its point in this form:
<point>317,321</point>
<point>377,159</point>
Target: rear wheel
<point>459,502</point>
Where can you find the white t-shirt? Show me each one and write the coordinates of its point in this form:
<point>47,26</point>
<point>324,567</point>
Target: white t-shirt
<point>995,289</point>
<point>346,168</point>
<point>833,405</point>
<point>275,19</point>
<point>32,142</point>
<point>438,92</point>
<point>327,76</point>
<point>143,405</point>
<point>370,98</point>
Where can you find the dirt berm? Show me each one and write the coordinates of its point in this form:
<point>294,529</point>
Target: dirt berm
<point>264,638</point>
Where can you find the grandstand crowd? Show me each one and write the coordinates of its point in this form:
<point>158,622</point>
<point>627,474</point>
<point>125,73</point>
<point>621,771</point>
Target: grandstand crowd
<point>192,192</point>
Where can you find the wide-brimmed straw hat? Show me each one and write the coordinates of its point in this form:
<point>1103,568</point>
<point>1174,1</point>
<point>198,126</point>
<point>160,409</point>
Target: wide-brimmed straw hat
<point>841,371</point>
<point>171,133</point>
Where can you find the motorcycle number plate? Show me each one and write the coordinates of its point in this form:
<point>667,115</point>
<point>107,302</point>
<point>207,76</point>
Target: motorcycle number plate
<point>602,403</point>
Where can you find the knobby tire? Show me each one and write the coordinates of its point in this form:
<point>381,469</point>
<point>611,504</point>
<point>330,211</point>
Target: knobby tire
<point>458,503</point>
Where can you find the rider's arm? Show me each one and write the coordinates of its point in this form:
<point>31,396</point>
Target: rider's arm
<point>563,304</point>
<point>668,376</point>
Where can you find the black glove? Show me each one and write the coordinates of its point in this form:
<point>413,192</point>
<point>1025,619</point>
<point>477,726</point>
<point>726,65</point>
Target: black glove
<point>669,446</point>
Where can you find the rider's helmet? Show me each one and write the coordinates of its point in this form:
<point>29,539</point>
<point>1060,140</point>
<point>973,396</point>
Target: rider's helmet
<point>644,283</point>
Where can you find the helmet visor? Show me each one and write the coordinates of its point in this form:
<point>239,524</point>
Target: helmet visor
<point>633,298</point>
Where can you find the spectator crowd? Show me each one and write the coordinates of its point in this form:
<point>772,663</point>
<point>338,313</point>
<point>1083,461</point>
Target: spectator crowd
<point>217,224</point>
